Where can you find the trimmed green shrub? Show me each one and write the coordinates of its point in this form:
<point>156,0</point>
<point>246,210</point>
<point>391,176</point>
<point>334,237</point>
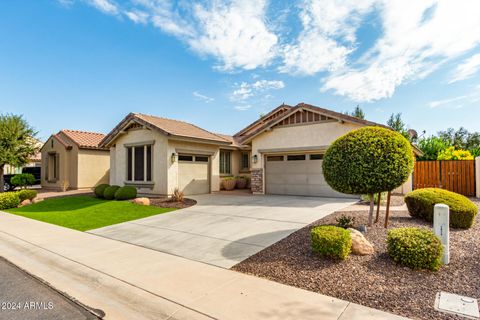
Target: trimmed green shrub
<point>9,200</point>
<point>415,248</point>
<point>26,194</point>
<point>331,241</point>
<point>368,160</point>
<point>23,180</point>
<point>421,203</point>
<point>126,193</point>
<point>100,189</point>
<point>345,222</point>
<point>110,191</point>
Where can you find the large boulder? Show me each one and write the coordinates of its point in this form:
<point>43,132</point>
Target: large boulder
<point>25,202</point>
<point>142,201</point>
<point>360,245</point>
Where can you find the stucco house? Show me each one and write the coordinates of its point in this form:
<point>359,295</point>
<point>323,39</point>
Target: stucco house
<point>73,159</point>
<point>282,152</point>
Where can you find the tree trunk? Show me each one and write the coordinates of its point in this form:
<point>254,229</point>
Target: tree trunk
<point>372,207</point>
<point>378,206</point>
<point>388,209</point>
<point>1,178</point>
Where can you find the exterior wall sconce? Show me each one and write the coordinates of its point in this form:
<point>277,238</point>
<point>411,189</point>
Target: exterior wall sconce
<point>255,158</point>
<point>173,157</point>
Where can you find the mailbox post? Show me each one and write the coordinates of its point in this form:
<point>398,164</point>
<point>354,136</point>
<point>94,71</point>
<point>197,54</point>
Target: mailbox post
<point>441,224</point>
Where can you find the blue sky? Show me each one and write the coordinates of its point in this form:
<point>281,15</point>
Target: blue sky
<point>85,64</point>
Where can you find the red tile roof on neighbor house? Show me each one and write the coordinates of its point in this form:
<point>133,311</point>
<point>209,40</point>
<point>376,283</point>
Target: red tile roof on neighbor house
<point>83,139</point>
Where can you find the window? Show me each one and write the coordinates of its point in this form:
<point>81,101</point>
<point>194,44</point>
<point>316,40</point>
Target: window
<point>225,162</point>
<point>139,163</point>
<point>275,158</point>
<point>318,156</point>
<point>245,161</point>
<point>296,157</point>
<point>185,158</point>
<point>201,159</point>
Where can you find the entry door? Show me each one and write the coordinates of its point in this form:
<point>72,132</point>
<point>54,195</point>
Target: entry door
<point>193,174</point>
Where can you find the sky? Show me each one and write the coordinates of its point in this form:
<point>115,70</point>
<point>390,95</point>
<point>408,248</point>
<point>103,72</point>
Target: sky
<point>85,64</point>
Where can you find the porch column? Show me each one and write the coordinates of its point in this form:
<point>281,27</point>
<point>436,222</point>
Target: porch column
<point>257,180</point>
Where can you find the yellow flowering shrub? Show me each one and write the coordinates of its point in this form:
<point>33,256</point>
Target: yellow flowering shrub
<point>451,154</point>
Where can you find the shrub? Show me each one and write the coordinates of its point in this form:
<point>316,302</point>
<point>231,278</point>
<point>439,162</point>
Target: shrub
<point>126,193</point>
<point>415,248</point>
<point>100,189</point>
<point>109,192</point>
<point>9,200</point>
<point>345,222</point>
<point>421,203</point>
<point>22,180</point>
<point>451,154</point>
<point>177,195</point>
<point>331,241</point>
<point>26,194</point>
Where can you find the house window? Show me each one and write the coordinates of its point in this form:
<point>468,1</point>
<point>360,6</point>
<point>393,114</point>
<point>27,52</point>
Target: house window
<point>201,159</point>
<point>296,157</point>
<point>139,163</point>
<point>275,158</point>
<point>245,162</point>
<point>185,158</point>
<point>318,156</point>
<point>225,162</point>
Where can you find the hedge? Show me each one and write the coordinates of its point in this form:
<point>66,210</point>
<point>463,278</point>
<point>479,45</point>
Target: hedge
<point>126,193</point>
<point>26,194</point>
<point>368,160</point>
<point>100,189</point>
<point>331,241</point>
<point>415,248</point>
<point>110,191</point>
<point>9,200</point>
<point>23,180</point>
<point>421,203</point>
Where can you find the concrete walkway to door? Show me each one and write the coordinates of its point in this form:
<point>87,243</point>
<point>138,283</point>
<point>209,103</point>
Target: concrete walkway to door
<point>222,229</point>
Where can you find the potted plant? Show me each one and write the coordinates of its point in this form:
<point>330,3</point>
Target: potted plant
<point>229,183</point>
<point>241,182</point>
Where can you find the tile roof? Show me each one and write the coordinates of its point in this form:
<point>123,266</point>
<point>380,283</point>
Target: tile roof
<point>83,139</point>
<point>233,140</point>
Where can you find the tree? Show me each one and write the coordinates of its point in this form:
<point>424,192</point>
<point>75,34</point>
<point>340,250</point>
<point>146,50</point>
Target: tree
<point>357,112</point>
<point>431,147</point>
<point>461,138</point>
<point>396,123</point>
<point>17,142</point>
<point>367,161</point>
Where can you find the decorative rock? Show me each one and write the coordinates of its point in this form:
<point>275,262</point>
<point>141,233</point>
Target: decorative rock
<point>37,200</point>
<point>360,245</point>
<point>25,202</point>
<point>142,201</point>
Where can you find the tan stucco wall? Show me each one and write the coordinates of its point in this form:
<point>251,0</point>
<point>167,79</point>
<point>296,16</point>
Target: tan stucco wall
<point>65,164</point>
<point>93,168</point>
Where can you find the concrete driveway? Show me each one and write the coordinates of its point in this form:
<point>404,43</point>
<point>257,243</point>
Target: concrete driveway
<point>223,230</point>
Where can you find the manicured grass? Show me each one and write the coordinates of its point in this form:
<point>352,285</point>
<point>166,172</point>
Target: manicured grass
<point>85,212</point>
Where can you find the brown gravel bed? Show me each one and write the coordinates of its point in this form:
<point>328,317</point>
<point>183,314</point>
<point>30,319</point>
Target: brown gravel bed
<point>165,202</point>
<point>374,281</point>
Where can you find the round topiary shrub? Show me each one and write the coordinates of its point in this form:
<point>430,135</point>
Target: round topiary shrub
<point>23,180</point>
<point>367,161</point>
<point>421,203</point>
<point>26,194</point>
<point>331,241</point>
<point>110,191</point>
<point>415,248</point>
<point>9,200</point>
<point>100,189</point>
<point>126,193</point>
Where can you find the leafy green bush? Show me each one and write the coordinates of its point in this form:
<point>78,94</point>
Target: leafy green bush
<point>331,241</point>
<point>345,222</point>
<point>421,203</point>
<point>431,147</point>
<point>452,154</point>
<point>9,200</point>
<point>415,248</point>
<point>126,193</point>
<point>110,191</point>
<point>23,180</point>
<point>368,160</point>
<point>26,194</point>
<point>100,189</point>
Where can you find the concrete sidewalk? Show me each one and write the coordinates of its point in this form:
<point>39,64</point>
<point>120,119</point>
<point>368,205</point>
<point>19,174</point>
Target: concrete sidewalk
<point>131,282</point>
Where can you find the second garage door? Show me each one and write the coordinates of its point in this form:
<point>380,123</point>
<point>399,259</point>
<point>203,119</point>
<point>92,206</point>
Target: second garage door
<point>297,174</point>
<point>193,174</point>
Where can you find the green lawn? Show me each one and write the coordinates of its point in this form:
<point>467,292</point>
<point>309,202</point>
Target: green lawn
<point>85,212</point>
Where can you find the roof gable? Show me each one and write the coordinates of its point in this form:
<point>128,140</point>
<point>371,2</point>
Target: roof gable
<point>275,113</point>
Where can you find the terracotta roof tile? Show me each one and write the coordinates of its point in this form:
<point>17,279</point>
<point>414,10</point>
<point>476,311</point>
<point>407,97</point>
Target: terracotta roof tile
<point>84,139</point>
<point>233,140</point>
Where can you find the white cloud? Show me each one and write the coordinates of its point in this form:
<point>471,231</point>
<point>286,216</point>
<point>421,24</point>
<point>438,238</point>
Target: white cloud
<point>137,16</point>
<point>438,103</point>
<point>246,90</point>
<point>202,97</point>
<point>466,69</point>
<point>243,107</point>
<point>106,6</point>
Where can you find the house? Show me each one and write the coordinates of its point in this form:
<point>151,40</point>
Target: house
<point>34,161</point>
<point>282,151</point>
<point>73,159</point>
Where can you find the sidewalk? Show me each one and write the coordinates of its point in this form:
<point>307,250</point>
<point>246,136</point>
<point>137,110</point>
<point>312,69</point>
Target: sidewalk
<point>131,282</point>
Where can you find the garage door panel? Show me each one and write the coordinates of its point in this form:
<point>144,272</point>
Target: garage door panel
<point>193,177</point>
<point>317,179</point>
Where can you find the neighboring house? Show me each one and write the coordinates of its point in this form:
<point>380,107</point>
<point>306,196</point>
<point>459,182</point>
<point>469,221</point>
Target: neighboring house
<point>73,160</point>
<point>282,151</point>
<point>33,161</point>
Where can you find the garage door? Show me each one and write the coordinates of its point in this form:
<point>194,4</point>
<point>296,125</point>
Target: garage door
<point>193,174</point>
<point>297,174</point>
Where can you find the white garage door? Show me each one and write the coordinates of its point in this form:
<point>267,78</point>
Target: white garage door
<point>297,174</point>
<point>193,174</point>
